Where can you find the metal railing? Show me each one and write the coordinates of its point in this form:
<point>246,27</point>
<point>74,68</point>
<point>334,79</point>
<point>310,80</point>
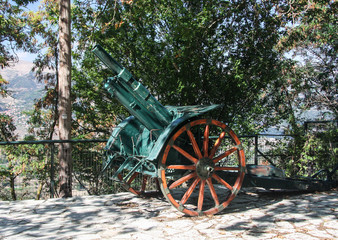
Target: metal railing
<point>29,169</point>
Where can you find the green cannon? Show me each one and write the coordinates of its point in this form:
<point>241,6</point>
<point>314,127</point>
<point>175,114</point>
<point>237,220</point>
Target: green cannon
<point>197,163</point>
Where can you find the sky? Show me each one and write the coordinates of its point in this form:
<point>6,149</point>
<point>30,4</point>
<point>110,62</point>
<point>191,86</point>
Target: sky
<point>25,56</point>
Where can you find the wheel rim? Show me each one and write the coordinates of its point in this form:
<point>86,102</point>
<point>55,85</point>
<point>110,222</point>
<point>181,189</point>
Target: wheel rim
<point>200,172</point>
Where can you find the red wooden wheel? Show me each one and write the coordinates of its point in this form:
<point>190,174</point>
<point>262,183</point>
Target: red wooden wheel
<point>202,167</point>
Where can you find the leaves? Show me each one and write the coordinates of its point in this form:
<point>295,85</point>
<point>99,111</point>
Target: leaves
<point>7,128</point>
<point>14,34</point>
<point>191,52</point>
<point>313,39</point>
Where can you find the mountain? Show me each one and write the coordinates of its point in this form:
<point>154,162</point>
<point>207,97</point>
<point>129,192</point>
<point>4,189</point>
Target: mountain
<point>24,89</point>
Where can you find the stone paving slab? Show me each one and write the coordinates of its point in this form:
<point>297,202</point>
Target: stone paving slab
<point>253,214</point>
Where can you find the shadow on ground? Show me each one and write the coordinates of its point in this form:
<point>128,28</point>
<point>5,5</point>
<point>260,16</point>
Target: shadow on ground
<point>295,208</point>
<point>65,218</point>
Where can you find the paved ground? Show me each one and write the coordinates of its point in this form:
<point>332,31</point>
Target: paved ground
<point>252,214</point>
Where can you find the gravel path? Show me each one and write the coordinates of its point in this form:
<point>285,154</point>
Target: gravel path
<point>253,214</point>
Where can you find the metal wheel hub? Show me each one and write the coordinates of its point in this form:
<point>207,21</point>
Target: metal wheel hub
<point>205,168</point>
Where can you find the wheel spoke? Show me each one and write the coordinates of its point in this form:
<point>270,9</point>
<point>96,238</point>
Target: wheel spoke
<point>194,144</point>
<point>188,193</point>
<point>144,183</point>
<point>182,180</point>
<point>225,154</point>
<point>206,140</point>
<point>184,167</point>
<point>216,145</point>
<point>201,195</point>
<point>185,154</point>
<point>135,174</point>
<point>212,191</point>
<point>158,187</point>
<point>221,181</point>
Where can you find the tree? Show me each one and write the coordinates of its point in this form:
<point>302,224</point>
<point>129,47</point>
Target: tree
<point>44,24</point>
<point>65,158</point>
<point>7,129</point>
<point>309,81</point>
<point>14,34</point>
<point>312,37</point>
<point>55,107</point>
<point>189,52</point>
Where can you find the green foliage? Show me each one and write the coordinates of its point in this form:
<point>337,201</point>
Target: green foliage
<point>319,151</point>
<point>312,37</point>
<point>13,31</point>
<point>24,163</point>
<point>3,83</point>
<point>309,82</point>
<point>307,153</point>
<point>14,35</point>
<point>41,123</point>
<point>94,110</point>
<point>7,128</point>
<point>189,52</point>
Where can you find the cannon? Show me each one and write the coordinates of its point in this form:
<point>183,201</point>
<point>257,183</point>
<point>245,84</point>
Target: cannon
<point>197,163</point>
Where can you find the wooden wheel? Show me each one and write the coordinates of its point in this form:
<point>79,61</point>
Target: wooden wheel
<point>140,184</point>
<point>202,167</point>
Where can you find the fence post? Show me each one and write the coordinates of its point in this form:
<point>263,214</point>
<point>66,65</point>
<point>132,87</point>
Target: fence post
<point>52,148</point>
<point>256,149</point>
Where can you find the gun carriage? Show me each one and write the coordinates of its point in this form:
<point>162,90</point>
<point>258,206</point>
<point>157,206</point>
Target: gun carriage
<point>198,163</point>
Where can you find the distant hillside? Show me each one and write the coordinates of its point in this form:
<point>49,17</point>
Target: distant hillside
<point>24,89</point>
<point>22,81</point>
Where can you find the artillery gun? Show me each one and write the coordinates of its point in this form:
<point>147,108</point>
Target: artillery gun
<point>197,163</point>
<point>190,157</point>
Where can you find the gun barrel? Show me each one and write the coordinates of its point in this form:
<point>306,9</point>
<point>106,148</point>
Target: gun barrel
<point>107,59</point>
<point>133,95</point>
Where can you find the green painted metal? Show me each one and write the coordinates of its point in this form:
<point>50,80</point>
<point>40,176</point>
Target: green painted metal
<point>185,114</point>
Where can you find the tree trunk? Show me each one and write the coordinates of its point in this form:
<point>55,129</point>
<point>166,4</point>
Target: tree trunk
<point>12,186</point>
<point>38,193</point>
<point>65,160</point>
